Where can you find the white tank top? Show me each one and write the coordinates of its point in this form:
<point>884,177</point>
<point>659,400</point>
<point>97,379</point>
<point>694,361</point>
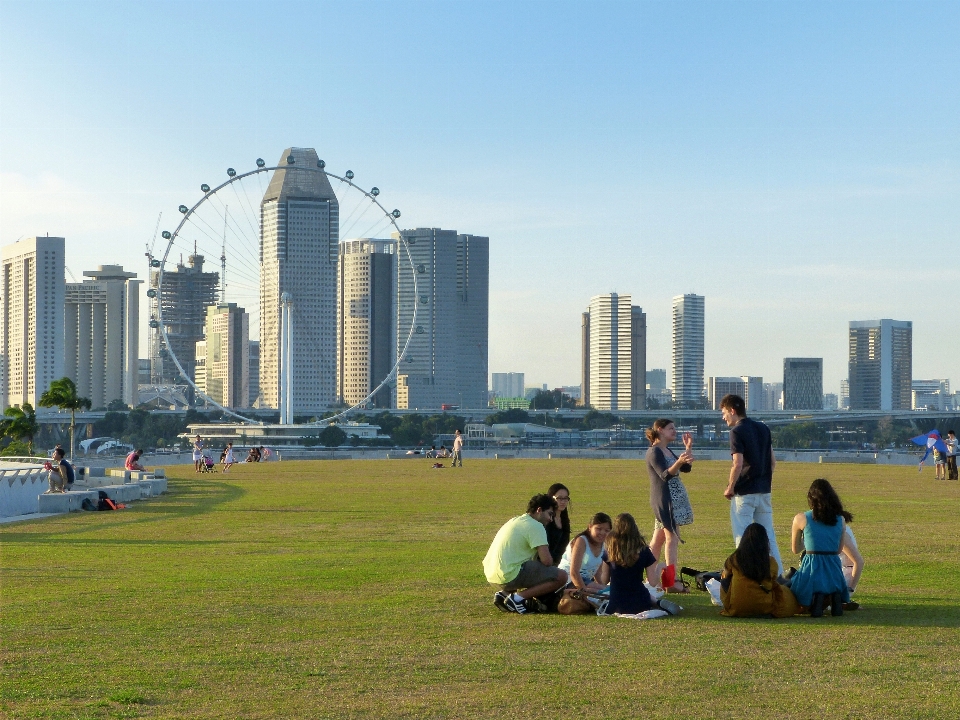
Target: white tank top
<point>588,565</point>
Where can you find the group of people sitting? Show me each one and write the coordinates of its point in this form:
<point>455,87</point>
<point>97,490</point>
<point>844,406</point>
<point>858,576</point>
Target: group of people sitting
<point>535,564</point>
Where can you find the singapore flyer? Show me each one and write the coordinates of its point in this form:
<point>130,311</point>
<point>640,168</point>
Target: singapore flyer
<point>264,243</point>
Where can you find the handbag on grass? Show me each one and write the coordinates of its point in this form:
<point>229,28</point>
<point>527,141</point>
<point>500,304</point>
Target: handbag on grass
<point>680,501</point>
<point>574,602</point>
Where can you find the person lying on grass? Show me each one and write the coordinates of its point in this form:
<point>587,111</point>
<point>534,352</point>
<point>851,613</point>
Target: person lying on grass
<point>748,583</point>
<point>519,562</point>
<point>584,556</point>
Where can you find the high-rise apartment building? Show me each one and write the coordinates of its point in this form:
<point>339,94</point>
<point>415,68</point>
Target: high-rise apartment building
<point>657,380</point>
<point>101,334</point>
<point>614,353</point>
<point>802,383</point>
<point>931,394</point>
<point>200,366</point>
<point>508,385</point>
<point>845,394</point>
<point>227,355</point>
<point>717,387</point>
<point>299,249</point>
<point>31,324</point>
<point>254,398</point>
<point>446,360</point>
<point>365,320</point>
<point>753,387</point>
<point>881,364</point>
<point>773,396</point>
<point>688,328</point>
<point>184,296</point>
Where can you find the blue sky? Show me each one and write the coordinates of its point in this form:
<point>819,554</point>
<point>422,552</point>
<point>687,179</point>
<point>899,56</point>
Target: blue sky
<point>796,163</point>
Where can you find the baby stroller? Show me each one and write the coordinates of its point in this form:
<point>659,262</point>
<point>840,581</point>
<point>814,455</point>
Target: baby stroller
<point>208,465</point>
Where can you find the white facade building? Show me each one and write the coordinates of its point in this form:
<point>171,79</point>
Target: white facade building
<point>227,355</point>
<point>31,324</point>
<point>299,221</point>
<point>688,326</point>
<point>101,332</point>
<point>508,385</point>
<point>614,353</point>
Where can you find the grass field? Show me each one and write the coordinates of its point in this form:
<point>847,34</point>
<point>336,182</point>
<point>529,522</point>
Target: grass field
<point>354,590</point>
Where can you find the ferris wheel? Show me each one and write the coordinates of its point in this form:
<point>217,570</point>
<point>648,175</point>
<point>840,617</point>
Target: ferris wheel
<point>224,226</point>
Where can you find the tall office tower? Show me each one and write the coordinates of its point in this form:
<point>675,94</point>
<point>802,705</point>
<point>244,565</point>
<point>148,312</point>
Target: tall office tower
<point>101,335</point>
<point>717,387</point>
<point>186,293</point>
<point>508,385</point>
<point>299,247</point>
<point>365,312</point>
<point>31,325</point>
<point>615,348</point>
<point>688,312</point>
<point>254,398</point>
<point>657,380</point>
<point>773,396</point>
<point>753,387</point>
<point>844,394</point>
<point>803,383</point>
<point>200,366</point>
<point>228,355</point>
<point>831,401</point>
<point>881,364</point>
<point>446,361</point>
<point>931,395</point>
<point>585,359</point>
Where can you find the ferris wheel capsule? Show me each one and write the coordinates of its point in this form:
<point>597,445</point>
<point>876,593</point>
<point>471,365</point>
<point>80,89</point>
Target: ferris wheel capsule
<point>321,164</point>
<point>151,293</point>
<point>154,324</point>
<point>260,162</point>
<point>165,235</point>
<point>375,191</point>
<point>205,188</point>
<point>183,209</point>
<point>231,172</point>
<point>290,159</point>
<point>349,174</point>
<point>396,213</point>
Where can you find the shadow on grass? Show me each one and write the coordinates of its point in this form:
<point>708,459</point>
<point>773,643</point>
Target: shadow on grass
<point>181,501</point>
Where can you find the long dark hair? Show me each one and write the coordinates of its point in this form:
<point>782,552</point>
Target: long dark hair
<point>598,519</point>
<point>753,553</point>
<point>825,503</point>
<point>564,515</point>
<point>653,432</point>
<point>625,543</point>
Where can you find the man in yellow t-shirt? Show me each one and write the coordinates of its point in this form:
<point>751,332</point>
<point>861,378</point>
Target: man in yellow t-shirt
<point>519,561</point>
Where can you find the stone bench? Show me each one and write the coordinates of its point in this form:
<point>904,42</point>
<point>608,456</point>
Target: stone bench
<point>122,493</point>
<point>118,473</point>
<point>66,501</point>
<point>152,487</point>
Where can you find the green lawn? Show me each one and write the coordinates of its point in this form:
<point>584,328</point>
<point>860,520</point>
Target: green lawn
<point>354,589</point>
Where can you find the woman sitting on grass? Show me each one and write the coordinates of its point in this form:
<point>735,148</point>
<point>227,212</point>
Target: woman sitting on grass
<point>584,555</point>
<point>850,558</point>
<point>558,530</point>
<point>748,583</point>
<point>820,534</point>
<point>627,558</point>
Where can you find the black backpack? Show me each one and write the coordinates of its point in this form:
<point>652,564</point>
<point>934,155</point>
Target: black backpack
<point>87,504</point>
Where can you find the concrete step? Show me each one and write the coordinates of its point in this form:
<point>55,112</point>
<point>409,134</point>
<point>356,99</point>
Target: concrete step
<point>154,486</point>
<point>65,502</point>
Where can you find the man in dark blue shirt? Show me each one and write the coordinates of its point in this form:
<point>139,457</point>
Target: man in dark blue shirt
<point>751,473</point>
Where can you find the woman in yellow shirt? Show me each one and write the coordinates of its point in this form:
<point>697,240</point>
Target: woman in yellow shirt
<point>748,583</point>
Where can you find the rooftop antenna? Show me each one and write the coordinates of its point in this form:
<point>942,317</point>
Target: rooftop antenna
<point>223,259</point>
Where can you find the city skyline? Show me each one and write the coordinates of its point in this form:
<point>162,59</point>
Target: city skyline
<point>776,158</point>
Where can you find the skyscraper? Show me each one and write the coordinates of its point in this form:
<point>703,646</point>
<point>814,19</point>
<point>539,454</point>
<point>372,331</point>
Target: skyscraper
<point>365,325</point>
<point>254,397</point>
<point>881,364</point>
<point>717,387</point>
<point>299,247</point>
<point>508,385</point>
<point>615,353</point>
<point>227,349</point>
<point>446,361</point>
<point>803,383</point>
<point>753,386</point>
<point>688,323</point>
<point>185,295</point>
<point>31,324</point>
<point>102,335</point>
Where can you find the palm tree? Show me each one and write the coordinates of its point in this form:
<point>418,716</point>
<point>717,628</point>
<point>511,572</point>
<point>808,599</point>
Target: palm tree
<point>20,423</point>
<point>62,394</point>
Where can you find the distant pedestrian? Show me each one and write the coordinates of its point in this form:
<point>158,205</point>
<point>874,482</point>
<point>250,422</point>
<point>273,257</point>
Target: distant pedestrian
<point>133,461</point>
<point>457,449</point>
<point>228,456</point>
<point>198,454</point>
<point>751,473</point>
<point>952,455</point>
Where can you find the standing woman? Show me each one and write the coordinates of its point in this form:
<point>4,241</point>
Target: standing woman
<point>558,530</point>
<point>662,465</point>
<point>198,453</point>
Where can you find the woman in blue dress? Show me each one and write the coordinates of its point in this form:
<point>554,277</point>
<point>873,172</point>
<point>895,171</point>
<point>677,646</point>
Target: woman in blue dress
<point>819,533</point>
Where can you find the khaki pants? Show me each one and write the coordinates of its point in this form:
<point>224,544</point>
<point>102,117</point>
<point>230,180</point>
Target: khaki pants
<point>55,481</point>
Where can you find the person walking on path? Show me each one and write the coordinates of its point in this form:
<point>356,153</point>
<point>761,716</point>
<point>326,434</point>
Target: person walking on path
<point>751,473</point>
<point>457,450</point>
<point>519,563</point>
